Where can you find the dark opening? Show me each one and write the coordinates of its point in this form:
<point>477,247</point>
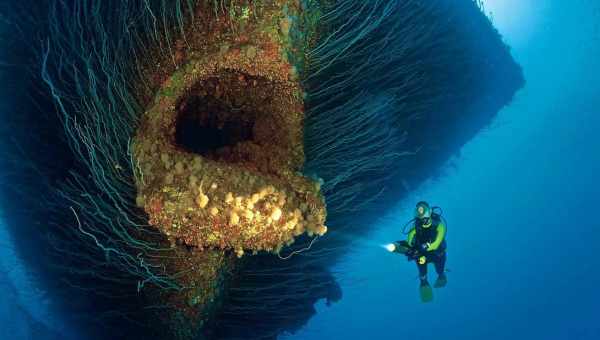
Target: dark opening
<point>217,114</point>
<point>201,128</point>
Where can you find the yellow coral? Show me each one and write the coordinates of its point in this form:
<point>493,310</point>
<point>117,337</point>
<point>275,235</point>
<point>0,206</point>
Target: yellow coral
<point>234,218</point>
<point>197,162</point>
<point>140,201</point>
<point>213,237</point>
<point>299,229</point>
<point>179,168</point>
<point>321,230</point>
<point>193,180</point>
<point>202,200</point>
<point>291,224</point>
<point>239,252</point>
<point>252,231</point>
<point>276,214</point>
<point>164,157</point>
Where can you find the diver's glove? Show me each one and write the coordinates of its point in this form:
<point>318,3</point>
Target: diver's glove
<point>426,246</point>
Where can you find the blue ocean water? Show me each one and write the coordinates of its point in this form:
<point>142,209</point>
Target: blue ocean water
<point>520,202</point>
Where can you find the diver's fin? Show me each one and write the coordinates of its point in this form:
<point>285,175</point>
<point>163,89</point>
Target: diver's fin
<point>426,292</point>
<point>441,281</point>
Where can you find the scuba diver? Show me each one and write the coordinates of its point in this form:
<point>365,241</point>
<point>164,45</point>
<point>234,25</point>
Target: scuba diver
<point>425,243</point>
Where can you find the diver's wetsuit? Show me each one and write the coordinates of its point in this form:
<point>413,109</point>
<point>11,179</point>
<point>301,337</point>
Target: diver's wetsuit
<point>435,235</point>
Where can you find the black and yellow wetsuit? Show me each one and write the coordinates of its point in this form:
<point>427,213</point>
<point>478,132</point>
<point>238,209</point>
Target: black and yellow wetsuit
<point>431,243</point>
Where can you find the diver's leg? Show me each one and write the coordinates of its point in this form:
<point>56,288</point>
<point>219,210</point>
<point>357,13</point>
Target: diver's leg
<point>425,290</point>
<point>422,271</point>
<point>440,263</point>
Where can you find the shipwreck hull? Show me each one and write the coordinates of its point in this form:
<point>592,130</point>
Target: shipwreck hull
<point>215,159</point>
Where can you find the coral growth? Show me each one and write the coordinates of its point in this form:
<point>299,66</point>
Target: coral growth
<point>218,153</point>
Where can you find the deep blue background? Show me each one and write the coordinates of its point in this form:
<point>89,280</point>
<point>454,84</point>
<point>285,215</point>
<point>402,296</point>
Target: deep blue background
<point>521,202</point>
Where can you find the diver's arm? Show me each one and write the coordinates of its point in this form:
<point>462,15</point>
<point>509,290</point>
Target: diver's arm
<point>441,233</point>
<point>410,239</point>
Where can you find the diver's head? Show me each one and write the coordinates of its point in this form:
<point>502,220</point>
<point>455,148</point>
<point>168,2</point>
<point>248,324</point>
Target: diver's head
<point>423,214</point>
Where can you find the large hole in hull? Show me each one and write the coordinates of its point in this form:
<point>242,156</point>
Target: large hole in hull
<point>219,113</point>
<point>204,126</point>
